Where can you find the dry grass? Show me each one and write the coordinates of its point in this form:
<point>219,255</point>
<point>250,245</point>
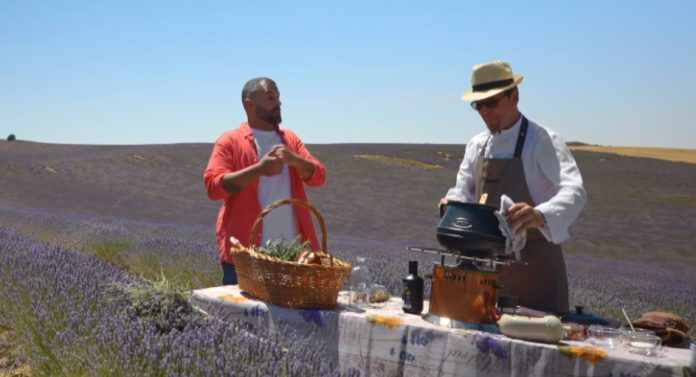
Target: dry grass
<point>669,154</point>
<point>10,366</point>
<point>398,161</point>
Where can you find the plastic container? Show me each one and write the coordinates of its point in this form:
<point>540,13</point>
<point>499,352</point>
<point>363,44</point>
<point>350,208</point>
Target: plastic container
<point>359,288</point>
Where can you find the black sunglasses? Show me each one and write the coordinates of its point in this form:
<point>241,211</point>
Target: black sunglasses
<point>490,103</point>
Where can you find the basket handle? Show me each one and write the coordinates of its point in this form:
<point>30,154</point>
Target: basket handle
<point>296,202</point>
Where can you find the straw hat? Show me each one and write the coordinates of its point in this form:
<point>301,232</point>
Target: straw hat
<point>489,79</point>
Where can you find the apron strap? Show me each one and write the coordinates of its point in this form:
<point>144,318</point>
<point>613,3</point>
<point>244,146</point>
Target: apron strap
<point>485,145</point>
<point>520,139</point>
<point>521,136</point>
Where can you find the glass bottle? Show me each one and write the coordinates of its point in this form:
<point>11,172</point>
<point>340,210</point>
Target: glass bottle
<point>412,294</point>
<point>359,284</point>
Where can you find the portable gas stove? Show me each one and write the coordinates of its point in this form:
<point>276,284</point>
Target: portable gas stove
<point>464,295</point>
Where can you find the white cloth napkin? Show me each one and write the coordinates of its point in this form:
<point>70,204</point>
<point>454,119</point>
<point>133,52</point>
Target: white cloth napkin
<point>513,243</point>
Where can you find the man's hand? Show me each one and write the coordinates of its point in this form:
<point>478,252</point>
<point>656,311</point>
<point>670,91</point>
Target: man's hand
<point>285,154</point>
<point>442,205</point>
<point>522,216</point>
<point>271,164</point>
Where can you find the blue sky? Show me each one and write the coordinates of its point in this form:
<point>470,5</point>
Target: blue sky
<point>619,73</point>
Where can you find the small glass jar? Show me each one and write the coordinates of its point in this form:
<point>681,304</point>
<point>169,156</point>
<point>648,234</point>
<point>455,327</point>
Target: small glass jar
<point>378,293</point>
<point>574,331</point>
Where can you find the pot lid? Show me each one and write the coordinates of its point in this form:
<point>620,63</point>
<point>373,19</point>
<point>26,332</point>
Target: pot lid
<point>582,317</point>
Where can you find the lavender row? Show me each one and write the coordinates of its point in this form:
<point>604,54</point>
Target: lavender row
<point>603,285</point>
<point>74,318</point>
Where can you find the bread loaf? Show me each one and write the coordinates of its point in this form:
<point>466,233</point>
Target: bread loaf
<point>658,320</point>
<point>671,328</point>
<point>545,329</point>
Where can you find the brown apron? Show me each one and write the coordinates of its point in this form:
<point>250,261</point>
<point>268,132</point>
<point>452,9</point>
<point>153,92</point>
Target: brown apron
<point>542,283</point>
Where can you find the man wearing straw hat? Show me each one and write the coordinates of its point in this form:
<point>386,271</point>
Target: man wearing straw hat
<point>254,166</point>
<point>532,165</point>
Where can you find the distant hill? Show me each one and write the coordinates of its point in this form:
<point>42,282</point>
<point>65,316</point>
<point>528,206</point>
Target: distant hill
<point>638,207</point>
<point>669,154</point>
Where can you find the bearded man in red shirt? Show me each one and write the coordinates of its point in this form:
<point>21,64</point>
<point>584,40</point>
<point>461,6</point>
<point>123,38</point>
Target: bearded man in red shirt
<point>254,166</point>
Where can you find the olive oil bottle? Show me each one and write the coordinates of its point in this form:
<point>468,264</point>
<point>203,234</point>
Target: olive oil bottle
<point>412,293</point>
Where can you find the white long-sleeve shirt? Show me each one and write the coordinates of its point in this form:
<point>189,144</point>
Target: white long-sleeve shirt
<point>553,178</point>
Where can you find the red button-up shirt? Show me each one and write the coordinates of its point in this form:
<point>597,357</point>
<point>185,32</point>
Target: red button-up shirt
<point>235,150</point>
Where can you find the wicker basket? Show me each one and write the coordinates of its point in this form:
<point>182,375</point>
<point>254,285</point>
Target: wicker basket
<point>291,284</point>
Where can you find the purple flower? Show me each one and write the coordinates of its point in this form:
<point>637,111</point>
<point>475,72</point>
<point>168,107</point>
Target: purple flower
<point>313,316</point>
<point>488,344</point>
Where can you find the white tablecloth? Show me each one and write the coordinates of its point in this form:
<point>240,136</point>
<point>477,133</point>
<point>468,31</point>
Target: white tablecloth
<point>382,340</point>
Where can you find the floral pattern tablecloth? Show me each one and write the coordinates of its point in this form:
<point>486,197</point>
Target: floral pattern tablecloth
<point>382,340</point>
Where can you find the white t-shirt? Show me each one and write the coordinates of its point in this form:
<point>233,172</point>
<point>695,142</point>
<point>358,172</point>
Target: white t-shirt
<point>280,223</point>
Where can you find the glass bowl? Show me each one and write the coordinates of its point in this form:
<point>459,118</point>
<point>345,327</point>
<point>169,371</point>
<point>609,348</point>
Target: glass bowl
<point>643,343</point>
<point>637,330</point>
<point>605,336</point>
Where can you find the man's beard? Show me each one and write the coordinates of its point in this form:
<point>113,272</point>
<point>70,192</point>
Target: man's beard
<point>269,116</point>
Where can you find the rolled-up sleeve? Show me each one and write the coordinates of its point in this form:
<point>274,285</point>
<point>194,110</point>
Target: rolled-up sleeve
<point>567,196</point>
<point>464,189</point>
<point>318,177</point>
<point>220,163</point>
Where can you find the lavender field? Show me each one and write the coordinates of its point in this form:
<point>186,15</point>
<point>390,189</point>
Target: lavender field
<point>100,244</point>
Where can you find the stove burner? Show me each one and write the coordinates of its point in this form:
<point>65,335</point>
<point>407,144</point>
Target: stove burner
<point>464,295</point>
<point>483,264</point>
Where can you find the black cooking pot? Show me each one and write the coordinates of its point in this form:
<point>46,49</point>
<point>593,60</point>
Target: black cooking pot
<point>471,229</point>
